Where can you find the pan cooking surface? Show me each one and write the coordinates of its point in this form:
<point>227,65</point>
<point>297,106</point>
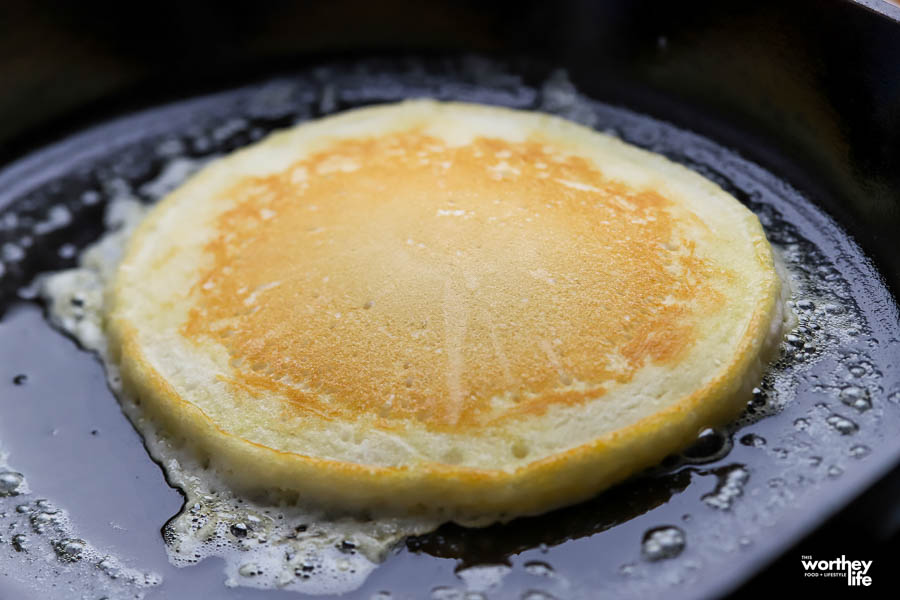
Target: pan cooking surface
<point>84,518</point>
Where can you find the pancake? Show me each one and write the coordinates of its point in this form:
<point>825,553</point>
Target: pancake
<point>442,309</point>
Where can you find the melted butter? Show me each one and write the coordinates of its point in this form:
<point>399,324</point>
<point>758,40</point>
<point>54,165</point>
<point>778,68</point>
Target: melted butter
<point>831,326</point>
<point>300,548</point>
<point>303,548</point>
<point>43,536</point>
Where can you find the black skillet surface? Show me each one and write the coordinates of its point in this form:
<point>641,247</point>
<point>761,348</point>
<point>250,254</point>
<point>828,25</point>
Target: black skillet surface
<point>810,89</point>
<point>738,498</point>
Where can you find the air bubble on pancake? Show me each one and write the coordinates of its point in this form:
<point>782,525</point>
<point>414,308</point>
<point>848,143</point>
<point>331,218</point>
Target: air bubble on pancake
<point>12,483</point>
<point>539,568</point>
<point>730,486</point>
<point>842,425</point>
<point>520,449</point>
<point>859,451</point>
<point>69,549</point>
<point>753,440</point>
<point>482,578</point>
<point>663,542</point>
<point>711,445</point>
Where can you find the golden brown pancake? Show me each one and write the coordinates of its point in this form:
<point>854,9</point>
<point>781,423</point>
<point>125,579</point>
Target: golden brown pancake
<point>444,309</point>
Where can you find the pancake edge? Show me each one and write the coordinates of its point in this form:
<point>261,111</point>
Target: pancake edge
<point>467,495</point>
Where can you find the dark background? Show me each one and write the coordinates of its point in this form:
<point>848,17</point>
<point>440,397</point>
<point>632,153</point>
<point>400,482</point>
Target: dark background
<point>810,89</point>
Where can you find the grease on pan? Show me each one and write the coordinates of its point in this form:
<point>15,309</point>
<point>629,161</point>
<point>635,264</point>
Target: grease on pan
<point>411,189</point>
<point>803,265</point>
<point>449,310</point>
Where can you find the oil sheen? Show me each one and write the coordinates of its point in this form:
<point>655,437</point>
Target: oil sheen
<point>830,384</point>
<point>292,547</point>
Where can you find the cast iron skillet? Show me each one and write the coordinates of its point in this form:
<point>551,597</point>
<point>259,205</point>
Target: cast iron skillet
<point>811,96</point>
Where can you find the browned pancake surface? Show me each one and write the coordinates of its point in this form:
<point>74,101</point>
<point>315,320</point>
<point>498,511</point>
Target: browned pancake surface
<point>457,286</point>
